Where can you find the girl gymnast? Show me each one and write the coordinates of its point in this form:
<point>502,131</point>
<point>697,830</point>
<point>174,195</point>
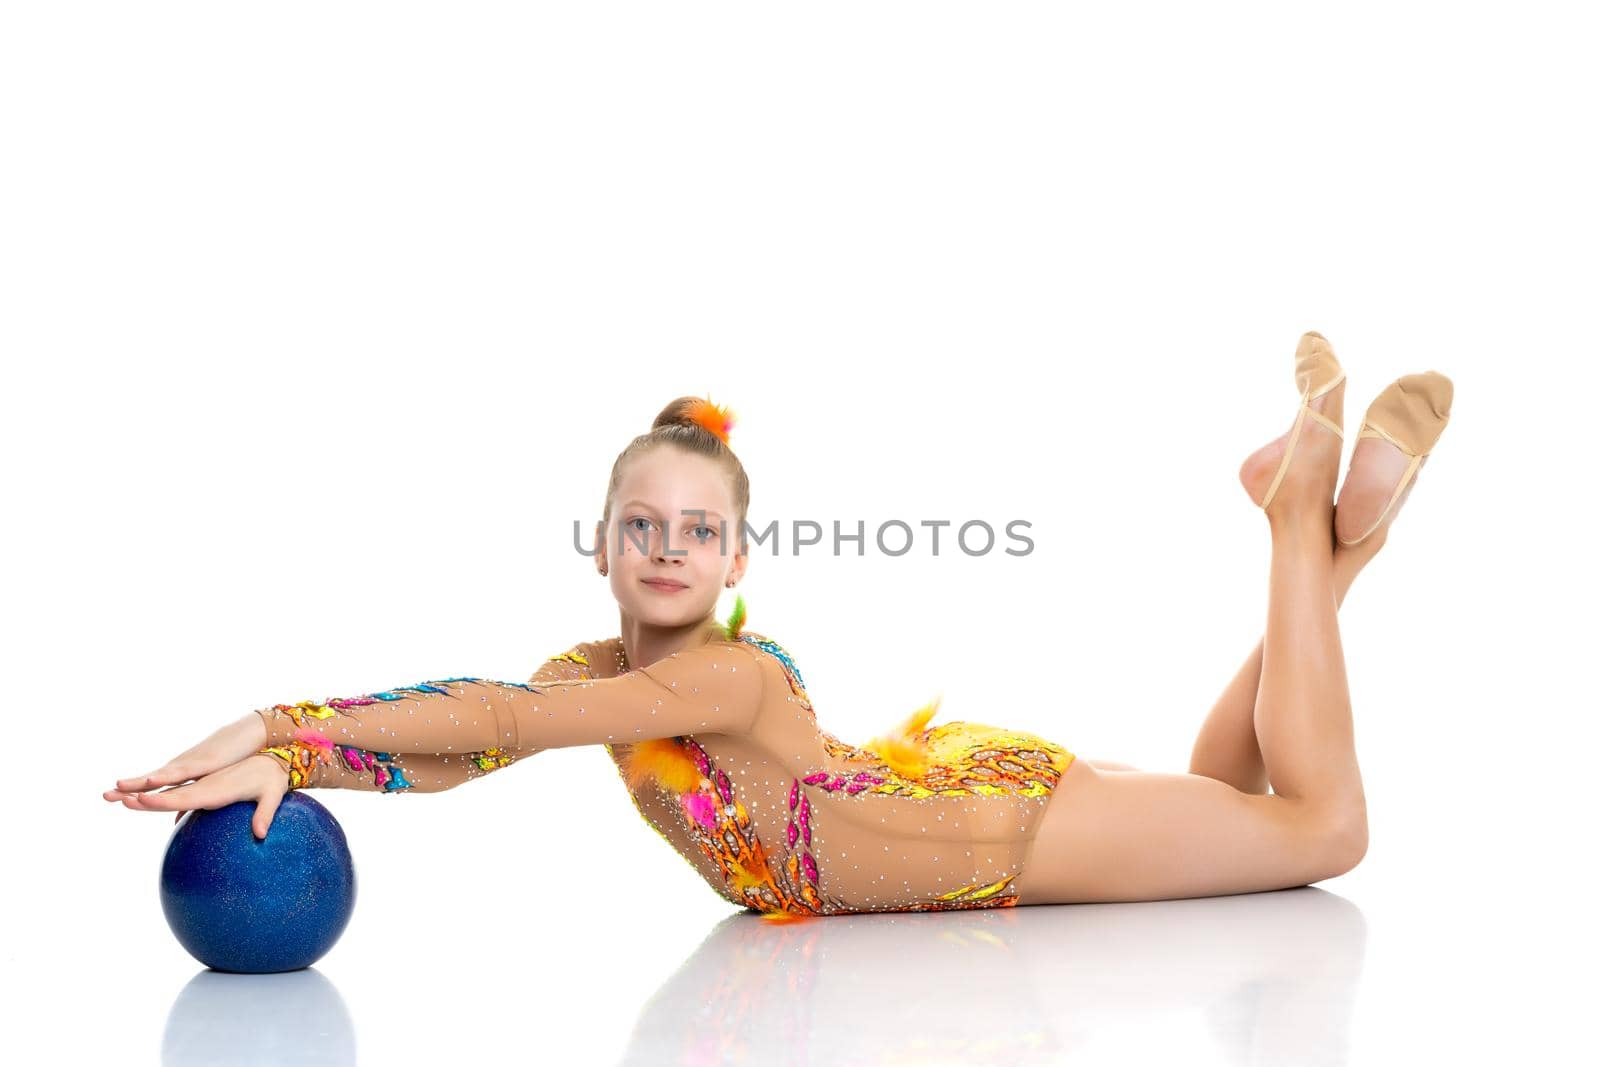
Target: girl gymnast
<point>714,736</point>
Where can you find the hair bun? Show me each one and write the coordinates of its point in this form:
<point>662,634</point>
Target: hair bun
<point>699,411</point>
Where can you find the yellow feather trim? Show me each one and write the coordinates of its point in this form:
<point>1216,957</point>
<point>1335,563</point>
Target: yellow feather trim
<point>902,748</point>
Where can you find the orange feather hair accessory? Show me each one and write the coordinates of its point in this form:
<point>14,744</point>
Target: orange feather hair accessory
<point>713,417</point>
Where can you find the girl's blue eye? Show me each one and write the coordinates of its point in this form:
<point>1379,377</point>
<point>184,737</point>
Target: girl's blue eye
<point>710,531</point>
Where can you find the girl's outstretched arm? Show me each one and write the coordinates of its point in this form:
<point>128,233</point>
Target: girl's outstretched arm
<point>314,766</point>
<point>352,767</point>
<point>467,726</point>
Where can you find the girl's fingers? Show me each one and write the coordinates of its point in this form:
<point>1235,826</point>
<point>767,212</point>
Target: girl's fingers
<point>205,793</point>
<point>177,800</point>
<point>211,791</point>
<point>132,800</point>
<point>144,781</point>
<point>264,813</point>
<point>153,780</point>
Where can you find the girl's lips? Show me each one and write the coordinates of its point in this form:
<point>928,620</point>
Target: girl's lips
<point>663,585</point>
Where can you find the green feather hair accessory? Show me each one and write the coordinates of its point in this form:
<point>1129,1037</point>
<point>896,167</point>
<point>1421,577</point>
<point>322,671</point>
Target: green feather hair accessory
<point>735,621</point>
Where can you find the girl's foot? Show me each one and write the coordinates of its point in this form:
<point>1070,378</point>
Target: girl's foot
<point>1376,467</point>
<point>1411,412</point>
<point>1314,468</point>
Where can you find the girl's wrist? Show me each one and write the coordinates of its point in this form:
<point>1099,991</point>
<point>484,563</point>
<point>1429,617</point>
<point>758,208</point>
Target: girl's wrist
<point>293,761</point>
<point>260,735</point>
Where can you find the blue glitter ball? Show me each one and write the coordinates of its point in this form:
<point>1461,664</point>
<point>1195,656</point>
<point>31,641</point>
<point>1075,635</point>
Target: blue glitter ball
<point>258,907</point>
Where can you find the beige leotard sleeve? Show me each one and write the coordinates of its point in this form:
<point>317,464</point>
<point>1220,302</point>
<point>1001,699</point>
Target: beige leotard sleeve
<point>437,734</point>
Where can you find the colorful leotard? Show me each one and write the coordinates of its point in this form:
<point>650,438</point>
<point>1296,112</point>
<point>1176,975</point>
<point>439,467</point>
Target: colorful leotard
<point>720,748</point>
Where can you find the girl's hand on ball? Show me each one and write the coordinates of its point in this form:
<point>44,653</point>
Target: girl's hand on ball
<point>227,746</point>
<point>260,777</point>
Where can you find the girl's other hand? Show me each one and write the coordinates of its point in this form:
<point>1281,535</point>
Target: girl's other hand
<point>260,777</point>
<point>227,746</point>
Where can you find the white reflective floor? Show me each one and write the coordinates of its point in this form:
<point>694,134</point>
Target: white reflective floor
<point>1360,971</point>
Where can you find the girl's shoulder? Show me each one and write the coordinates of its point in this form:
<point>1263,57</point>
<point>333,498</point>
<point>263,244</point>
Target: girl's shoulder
<point>779,654</point>
<point>587,660</point>
<point>607,658</point>
<point>765,644</point>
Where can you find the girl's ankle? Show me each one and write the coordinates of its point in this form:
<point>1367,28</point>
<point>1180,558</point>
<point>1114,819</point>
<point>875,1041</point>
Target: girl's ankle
<point>1302,523</point>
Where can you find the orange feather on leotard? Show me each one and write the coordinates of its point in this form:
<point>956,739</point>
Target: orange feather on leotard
<point>663,759</point>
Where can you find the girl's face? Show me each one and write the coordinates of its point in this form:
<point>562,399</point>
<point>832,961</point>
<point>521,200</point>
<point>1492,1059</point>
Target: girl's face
<point>672,544</point>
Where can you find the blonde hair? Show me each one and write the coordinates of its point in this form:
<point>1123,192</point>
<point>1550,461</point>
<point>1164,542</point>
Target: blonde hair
<point>676,428</point>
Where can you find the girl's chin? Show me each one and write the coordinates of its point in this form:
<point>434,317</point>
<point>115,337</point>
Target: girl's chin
<point>656,615</point>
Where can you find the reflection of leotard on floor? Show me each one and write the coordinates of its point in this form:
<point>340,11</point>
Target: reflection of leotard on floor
<point>722,753</point>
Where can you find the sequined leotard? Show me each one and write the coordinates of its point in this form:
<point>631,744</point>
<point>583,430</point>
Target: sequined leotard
<point>722,753</point>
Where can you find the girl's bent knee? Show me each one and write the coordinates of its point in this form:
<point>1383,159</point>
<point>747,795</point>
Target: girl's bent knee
<point>1336,833</point>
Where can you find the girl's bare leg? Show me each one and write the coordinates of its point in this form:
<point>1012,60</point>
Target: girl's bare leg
<point>1302,713</point>
<point>1149,836</point>
<point>1226,748</point>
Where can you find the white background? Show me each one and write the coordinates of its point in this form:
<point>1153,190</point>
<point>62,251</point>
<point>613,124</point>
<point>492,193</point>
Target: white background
<point>323,323</point>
